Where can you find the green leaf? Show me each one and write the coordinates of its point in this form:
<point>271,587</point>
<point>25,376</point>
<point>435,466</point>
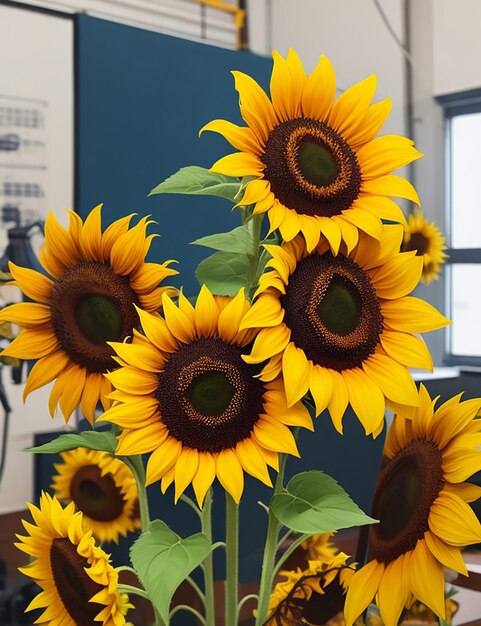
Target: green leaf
<point>199,181</point>
<point>314,503</point>
<point>238,240</point>
<point>163,560</point>
<point>224,273</point>
<point>91,439</point>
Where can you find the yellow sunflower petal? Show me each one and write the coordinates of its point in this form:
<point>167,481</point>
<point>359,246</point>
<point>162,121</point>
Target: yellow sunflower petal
<point>206,313</point>
<point>353,103</point>
<point>393,592</point>
<point>204,476</point>
<point>454,521</point>
<point>91,236</point>
<point>339,400</point>
<point>32,344</point>
<point>393,379</point>
<point>241,138</point>
<point>45,370</point>
<point>230,474</point>
<point>372,123</point>
<point>252,461</point>
<point>321,386</point>
<point>426,578</point>
<point>32,283</point>
<point>162,459</point>
<point>386,154</point>
<point>366,399</point>
<point>460,463</point>
<point>287,82</point>
<point>143,357</point>
<point>448,555</point>
<point>319,91</point>
<point>296,373</point>
<point>408,349</point>
<point>265,312</point>
<point>412,315</point>
<point>185,470</point>
<point>398,276</point>
<point>391,185</point>
<point>91,395</point>
<point>255,106</point>
<point>268,342</point>
<point>238,164</point>
<point>363,587</point>
<point>26,314</point>
<point>72,391</point>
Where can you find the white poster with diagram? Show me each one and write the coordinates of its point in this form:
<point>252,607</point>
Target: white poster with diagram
<point>36,176</point>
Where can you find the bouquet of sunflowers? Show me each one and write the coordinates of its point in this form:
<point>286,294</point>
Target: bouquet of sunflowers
<point>303,309</point>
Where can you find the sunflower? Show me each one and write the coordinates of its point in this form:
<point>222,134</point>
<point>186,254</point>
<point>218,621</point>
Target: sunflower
<point>185,395</point>
<point>79,586</point>
<point>311,594</point>
<point>426,239</point>
<point>421,502</point>
<point>341,325</point>
<point>102,488</point>
<point>314,163</point>
<point>96,279</point>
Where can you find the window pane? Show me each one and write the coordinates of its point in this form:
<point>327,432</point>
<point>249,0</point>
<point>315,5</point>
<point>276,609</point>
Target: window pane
<point>466,181</point>
<point>466,309</point>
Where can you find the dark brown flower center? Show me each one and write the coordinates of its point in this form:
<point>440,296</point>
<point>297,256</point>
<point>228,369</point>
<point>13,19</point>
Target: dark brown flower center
<point>95,495</point>
<point>333,311</point>
<point>208,396</point>
<point>311,168</point>
<point>91,305</point>
<point>418,242</point>
<point>73,584</point>
<point>406,488</point>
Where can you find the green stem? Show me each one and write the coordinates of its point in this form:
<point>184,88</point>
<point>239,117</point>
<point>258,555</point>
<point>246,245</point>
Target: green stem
<point>270,551</point>
<point>208,566</point>
<point>295,544</point>
<point>192,504</point>
<point>126,568</point>
<point>245,599</point>
<point>138,469</point>
<point>185,607</point>
<point>130,589</point>
<point>232,560</point>
<point>196,588</point>
<point>254,226</point>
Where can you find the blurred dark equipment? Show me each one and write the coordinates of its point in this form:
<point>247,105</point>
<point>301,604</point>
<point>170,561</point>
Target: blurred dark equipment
<point>19,249</point>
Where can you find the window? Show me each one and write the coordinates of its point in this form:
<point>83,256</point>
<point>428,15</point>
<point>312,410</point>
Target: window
<point>463,116</point>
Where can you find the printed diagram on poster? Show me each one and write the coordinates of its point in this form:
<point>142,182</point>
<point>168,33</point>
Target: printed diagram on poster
<point>23,165</point>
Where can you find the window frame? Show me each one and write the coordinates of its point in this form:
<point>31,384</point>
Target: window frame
<point>455,105</point>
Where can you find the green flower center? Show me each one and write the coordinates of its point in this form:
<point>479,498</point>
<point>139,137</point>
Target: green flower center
<point>74,586</point>
<point>311,168</point>
<point>407,486</point>
<point>209,397</point>
<point>332,310</point>
<point>417,242</point>
<point>340,308</point>
<point>211,393</point>
<point>98,318</point>
<point>90,306</point>
<point>317,164</point>
<point>97,496</point>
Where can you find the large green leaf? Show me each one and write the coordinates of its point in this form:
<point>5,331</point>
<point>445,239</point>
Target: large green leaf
<point>313,503</point>
<point>91,439</point>
<point>199,181</point>
<point>163,560</point>
<point>224,273</point>
<point>239,240</point>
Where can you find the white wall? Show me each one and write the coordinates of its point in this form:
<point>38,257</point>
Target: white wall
<point>349,32</point>
<point>37,76</point>
<point>456,45</point>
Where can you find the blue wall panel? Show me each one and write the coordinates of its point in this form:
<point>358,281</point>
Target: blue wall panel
<point>141,99</point>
